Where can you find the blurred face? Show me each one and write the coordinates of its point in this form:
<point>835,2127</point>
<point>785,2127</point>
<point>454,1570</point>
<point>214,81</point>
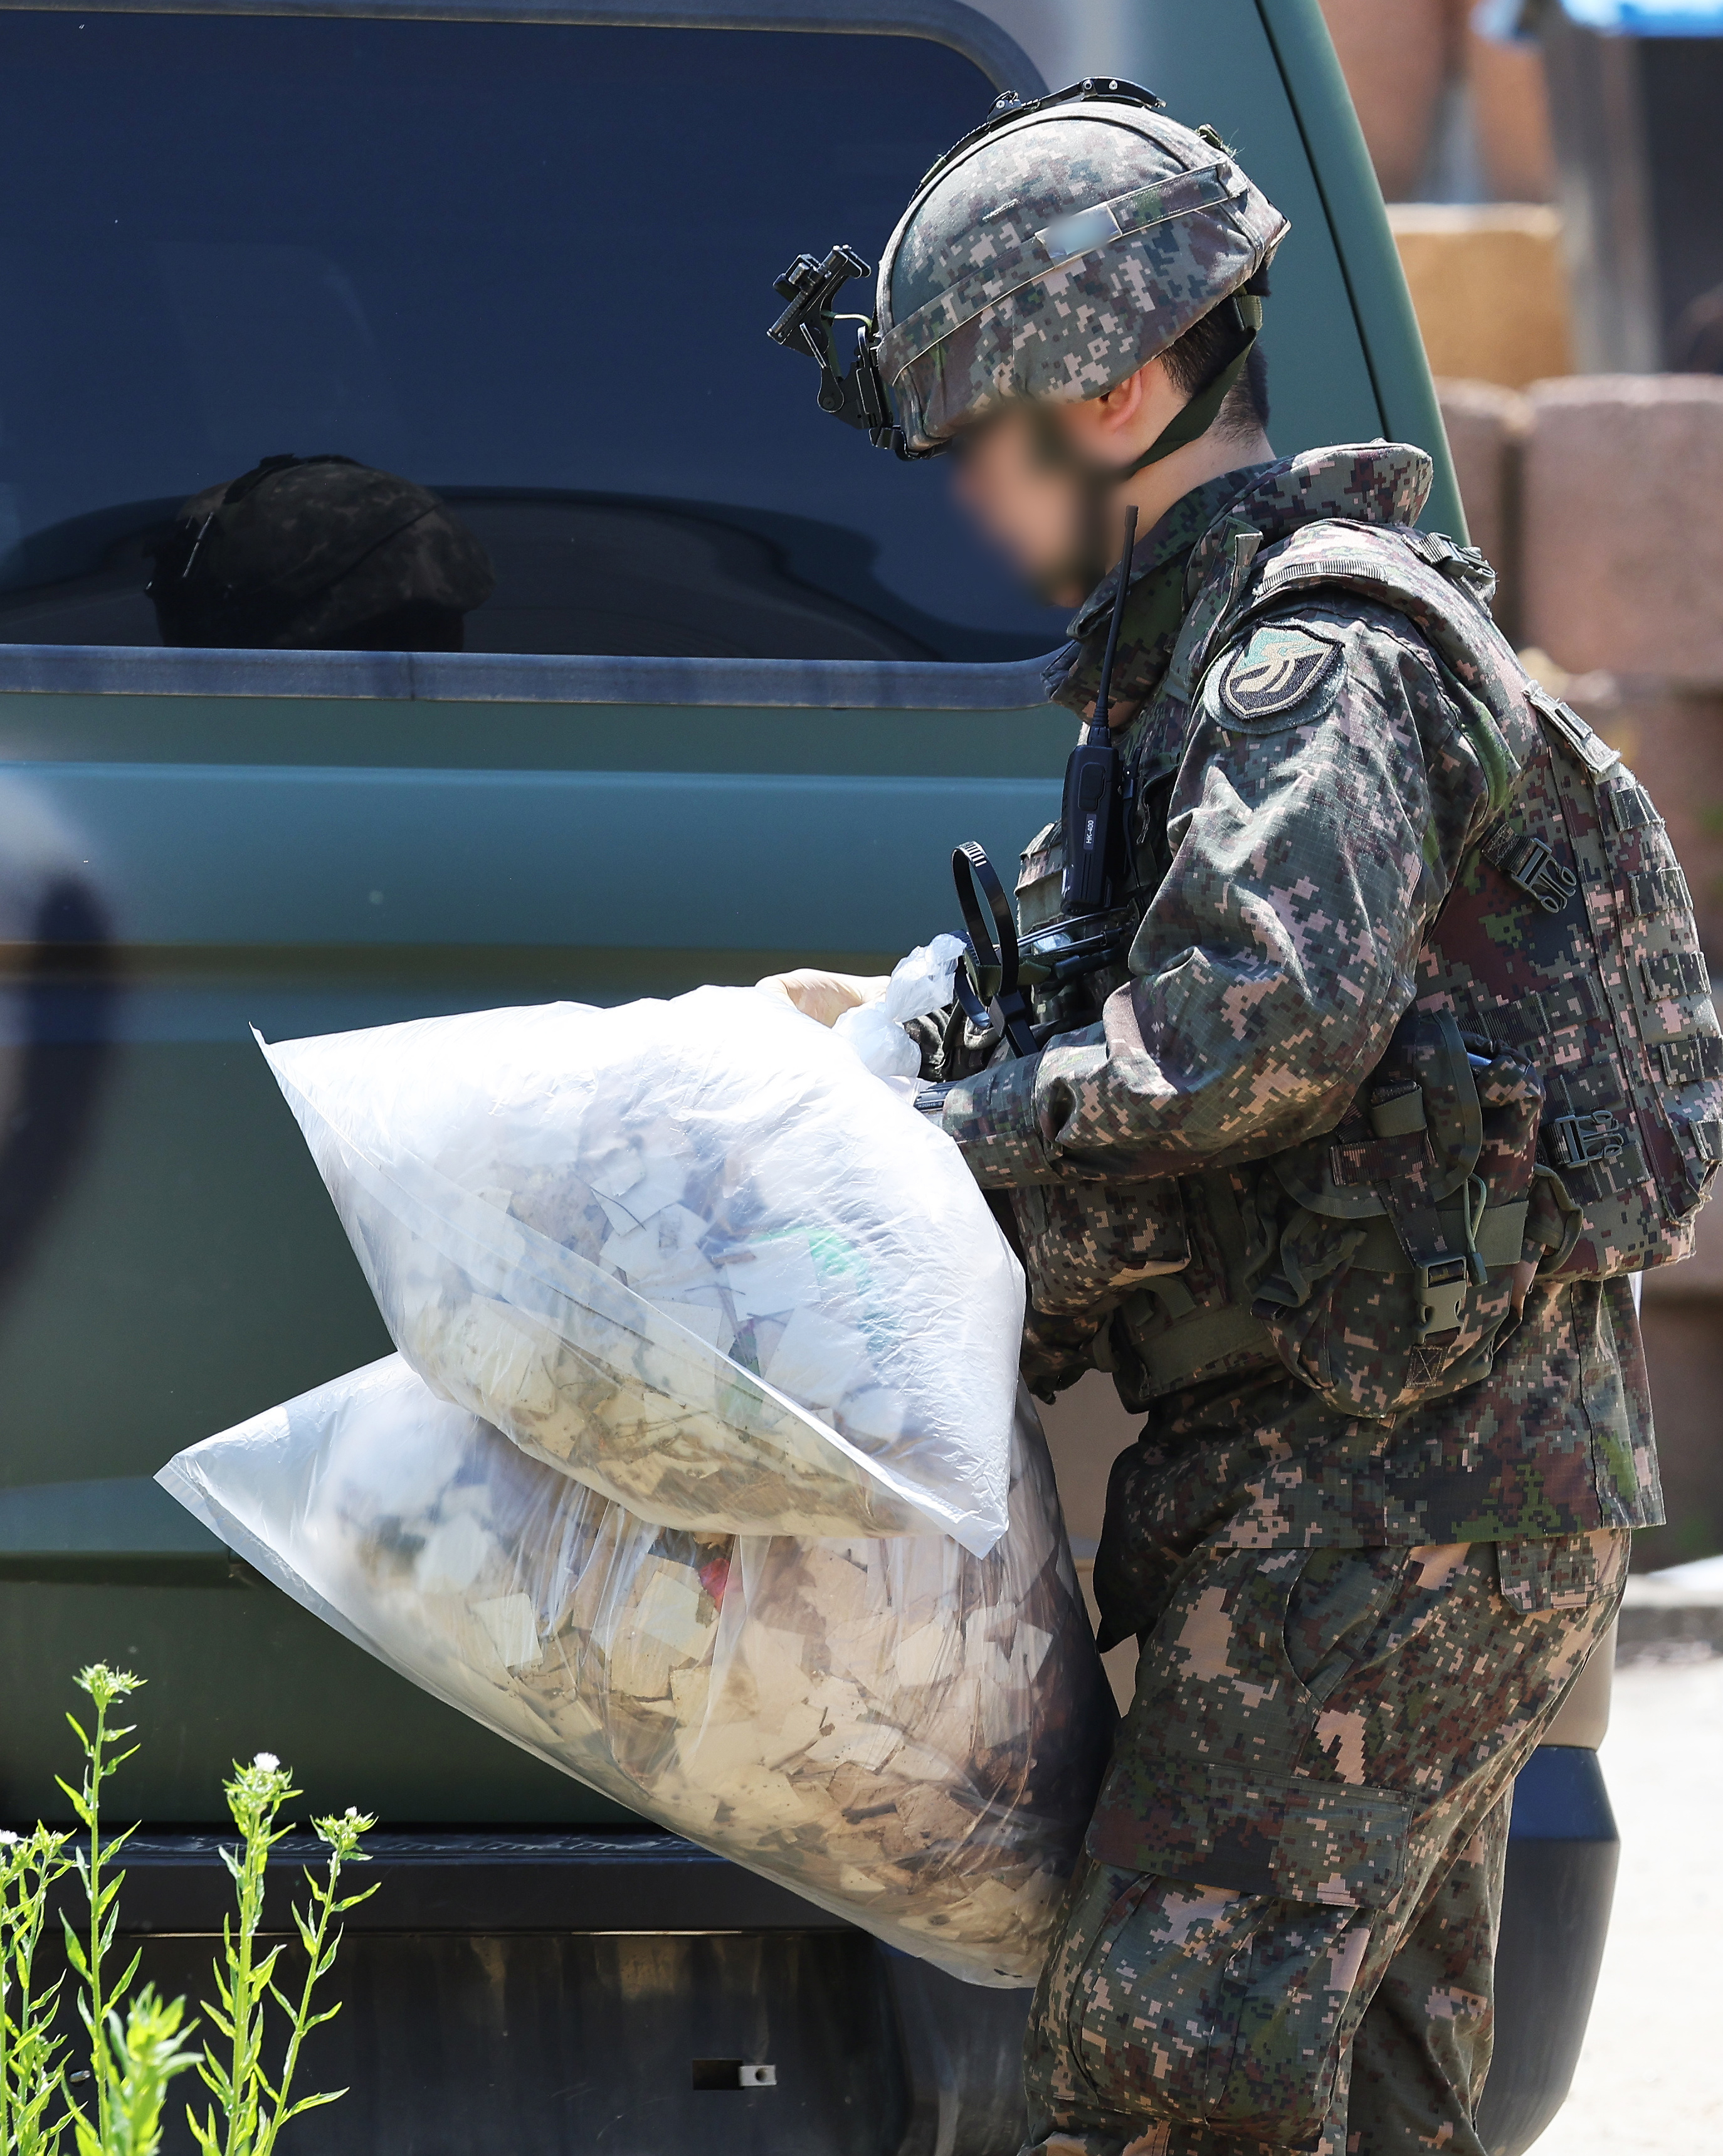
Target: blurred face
<point>1017,476</point>
<point>1023,501</point>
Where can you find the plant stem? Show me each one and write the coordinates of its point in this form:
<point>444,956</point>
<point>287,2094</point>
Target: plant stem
<point>11,1871</point>
<point>105,1686</point>
<point>343,1836</point>
<point>98,2005</point>
<point>28,1867</point>
<point>255,1796</point>
<point>15,1946</point>
<point>148,2050</point>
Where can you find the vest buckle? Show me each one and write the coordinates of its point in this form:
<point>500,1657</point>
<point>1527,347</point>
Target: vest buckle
<point>1580,1141</point>
<point>1441,1295</point>
<point>1530,864</point>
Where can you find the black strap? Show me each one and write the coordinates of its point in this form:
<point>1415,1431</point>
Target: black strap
<point>1096,482</point>
<point>986,983</point>
<point>1200,414</point>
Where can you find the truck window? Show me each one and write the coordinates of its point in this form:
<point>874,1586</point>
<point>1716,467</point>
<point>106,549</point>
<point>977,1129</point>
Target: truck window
<point>529,266</point>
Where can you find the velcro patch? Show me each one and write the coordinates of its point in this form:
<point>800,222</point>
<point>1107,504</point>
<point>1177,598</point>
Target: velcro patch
<point>1278,670</point>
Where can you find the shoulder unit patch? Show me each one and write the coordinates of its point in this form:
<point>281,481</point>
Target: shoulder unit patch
<point>1279,669</point>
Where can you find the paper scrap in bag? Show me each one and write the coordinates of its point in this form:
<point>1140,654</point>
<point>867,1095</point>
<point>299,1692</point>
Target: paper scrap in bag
<point>532,1192</point>
<point>820,1711</point>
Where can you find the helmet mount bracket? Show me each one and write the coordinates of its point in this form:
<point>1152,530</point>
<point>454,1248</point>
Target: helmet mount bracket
<point>807,324</point>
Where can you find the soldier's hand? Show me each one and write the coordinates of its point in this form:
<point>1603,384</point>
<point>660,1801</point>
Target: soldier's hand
<point>824,996</point>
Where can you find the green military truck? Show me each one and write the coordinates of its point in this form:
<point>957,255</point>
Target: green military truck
<point>741,686</point>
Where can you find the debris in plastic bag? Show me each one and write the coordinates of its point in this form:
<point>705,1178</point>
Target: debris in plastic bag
<point>921,983</point>
<point>910,1735</point>
<point>690,1253</point>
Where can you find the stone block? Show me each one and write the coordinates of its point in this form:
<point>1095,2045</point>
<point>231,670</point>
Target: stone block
<point>1396,56</point>
<point>1511,109</point>
<point>1399,57</point>
<point>1489,284</point>
<point>1486,425</point>
<point>1622,532</point>
<point>1683,1355</point>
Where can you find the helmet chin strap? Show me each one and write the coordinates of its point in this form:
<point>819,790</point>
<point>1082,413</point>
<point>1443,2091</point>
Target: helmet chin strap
<point>1091,559</point>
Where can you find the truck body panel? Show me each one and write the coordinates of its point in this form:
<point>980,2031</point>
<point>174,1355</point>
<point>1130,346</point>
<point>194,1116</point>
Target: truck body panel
<point>743,686</point>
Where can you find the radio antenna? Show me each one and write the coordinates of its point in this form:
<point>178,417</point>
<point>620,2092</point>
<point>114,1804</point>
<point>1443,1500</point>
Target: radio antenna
<point>1103,694</point>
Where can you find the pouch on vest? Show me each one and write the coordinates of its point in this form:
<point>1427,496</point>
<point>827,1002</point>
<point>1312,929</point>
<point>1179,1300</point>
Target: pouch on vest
<point>1596,971</point>
<point>1072,962</point>
<point>1398,1235</point>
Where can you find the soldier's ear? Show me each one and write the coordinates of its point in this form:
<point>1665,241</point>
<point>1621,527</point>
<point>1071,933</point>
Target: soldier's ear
<point>1142,404</point>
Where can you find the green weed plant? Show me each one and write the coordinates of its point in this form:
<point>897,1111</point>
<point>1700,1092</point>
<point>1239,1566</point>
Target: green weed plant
<point>138,2043</point>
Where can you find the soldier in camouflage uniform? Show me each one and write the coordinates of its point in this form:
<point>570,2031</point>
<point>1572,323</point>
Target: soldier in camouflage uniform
<point>1386,1058</point>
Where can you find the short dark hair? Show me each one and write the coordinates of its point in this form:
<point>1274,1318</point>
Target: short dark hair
<point>1199,354</point>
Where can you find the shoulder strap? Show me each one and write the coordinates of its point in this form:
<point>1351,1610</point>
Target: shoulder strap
<point>1440,587</point>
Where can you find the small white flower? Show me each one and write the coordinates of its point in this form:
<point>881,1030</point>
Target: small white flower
<point>267,1761</point>
<point>8,1839</point>
<point>352,1813</point>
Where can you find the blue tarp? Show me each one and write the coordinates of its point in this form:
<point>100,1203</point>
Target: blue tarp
<point>1650,18</point>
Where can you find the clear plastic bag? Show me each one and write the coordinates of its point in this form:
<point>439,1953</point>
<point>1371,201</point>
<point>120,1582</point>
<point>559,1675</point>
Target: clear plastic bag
<point>692,1253</point>
<point>919,984</point>
<point>910,1735</point>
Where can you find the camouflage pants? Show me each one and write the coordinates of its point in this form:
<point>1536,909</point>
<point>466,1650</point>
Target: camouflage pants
<point>1283,1934</point>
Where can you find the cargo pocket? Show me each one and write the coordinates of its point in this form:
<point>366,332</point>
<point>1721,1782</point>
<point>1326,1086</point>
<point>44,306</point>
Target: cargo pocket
<point>1224,1985</point>
<point>1334,1843</point>
<point>1562,1572</point>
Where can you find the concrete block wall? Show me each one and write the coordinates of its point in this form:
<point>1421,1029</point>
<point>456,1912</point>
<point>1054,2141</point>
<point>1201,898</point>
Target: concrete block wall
<point>1397,56</point>
<point>1402,59</point>
<point>1623,524</point>
<point>1488,285</point>
<point>1486,431</point>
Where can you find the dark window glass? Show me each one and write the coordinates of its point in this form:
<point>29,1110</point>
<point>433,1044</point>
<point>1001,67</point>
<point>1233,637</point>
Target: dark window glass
<point>527,265</point>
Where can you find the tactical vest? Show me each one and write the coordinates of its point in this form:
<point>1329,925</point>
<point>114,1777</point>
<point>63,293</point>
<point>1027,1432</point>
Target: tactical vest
<point>1549,1107</point>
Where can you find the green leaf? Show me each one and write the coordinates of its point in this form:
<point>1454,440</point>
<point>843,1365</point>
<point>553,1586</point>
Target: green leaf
<point>311,2102</point>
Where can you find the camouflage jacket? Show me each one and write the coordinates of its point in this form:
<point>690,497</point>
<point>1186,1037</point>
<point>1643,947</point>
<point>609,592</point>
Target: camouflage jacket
<point>1293,846</point>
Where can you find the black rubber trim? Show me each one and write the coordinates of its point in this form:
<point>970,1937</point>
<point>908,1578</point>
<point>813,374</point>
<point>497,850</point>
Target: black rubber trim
<point>640,1880</point>
<point>118,670</point>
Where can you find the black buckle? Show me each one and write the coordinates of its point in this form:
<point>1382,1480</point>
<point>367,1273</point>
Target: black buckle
<point>1580,1141</point>
<point>1534,867</point>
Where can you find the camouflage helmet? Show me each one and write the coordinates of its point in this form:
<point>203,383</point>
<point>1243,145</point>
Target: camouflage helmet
<point>1055,250</point>
<point>318,553</point>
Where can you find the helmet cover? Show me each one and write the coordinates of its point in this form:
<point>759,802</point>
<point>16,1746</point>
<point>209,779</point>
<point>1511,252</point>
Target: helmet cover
<point>1053,255</point>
